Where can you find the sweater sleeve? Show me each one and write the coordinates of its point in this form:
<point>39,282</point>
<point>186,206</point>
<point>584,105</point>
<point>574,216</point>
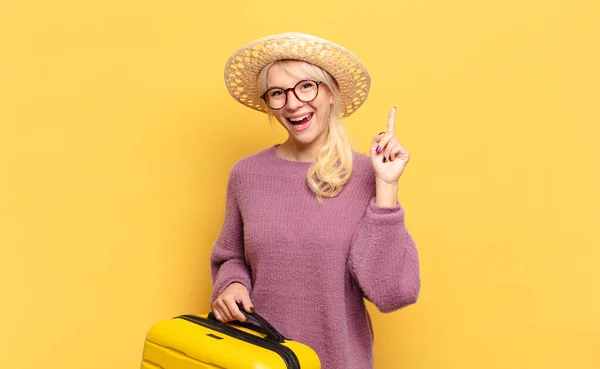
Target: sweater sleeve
<point>383,259</point>
<point>227,260</point>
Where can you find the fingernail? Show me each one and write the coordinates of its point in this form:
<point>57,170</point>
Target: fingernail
<point>380,133</point>
<point>378,149</point>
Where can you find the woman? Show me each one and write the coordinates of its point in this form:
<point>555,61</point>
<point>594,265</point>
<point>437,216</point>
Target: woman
<point>312,227</point>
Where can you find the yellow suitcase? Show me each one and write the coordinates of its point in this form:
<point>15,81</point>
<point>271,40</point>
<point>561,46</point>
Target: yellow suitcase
<point>202,342</point>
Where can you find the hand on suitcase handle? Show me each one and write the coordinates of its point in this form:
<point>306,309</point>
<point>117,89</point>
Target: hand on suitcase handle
<point>226,306</point>
<point>257,322</point>
<point>229,307</point>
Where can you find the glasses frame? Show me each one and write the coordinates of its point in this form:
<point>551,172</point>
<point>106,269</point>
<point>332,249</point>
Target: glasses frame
<point>293,89</point>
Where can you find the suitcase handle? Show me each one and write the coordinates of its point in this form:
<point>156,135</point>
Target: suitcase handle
<point>259,324</point>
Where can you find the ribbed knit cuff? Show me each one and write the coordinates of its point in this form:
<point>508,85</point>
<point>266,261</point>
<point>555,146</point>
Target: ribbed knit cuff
<point>229,274</point>
<point>397,210</point>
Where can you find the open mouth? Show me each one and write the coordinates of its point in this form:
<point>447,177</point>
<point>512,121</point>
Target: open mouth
<point>301,120</point>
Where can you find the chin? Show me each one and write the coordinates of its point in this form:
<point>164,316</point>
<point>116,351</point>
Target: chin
<point>307,136</point>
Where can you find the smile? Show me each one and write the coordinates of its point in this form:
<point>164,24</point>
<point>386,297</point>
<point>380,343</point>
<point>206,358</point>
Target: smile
<point>300,120</point>
<point>301,123</point>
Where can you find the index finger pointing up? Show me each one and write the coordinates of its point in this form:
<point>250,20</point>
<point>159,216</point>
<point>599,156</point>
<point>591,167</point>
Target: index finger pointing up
<point>391,121</point>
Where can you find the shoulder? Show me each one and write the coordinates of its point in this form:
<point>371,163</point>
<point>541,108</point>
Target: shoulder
<point>253,162</point>
<point>246,169</point>
<point>255,167</point>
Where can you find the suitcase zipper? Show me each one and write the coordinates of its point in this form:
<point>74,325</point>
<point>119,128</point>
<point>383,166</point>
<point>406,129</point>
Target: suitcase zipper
<point>288,356</point>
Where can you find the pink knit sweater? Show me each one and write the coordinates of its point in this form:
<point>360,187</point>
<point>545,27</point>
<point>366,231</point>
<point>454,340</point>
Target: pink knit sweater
<point>307,265</point>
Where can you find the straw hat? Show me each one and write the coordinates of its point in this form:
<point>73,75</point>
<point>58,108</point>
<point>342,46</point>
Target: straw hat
<point>243,67</point>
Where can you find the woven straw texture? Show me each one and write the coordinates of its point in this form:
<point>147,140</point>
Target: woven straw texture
<point>243,67</point>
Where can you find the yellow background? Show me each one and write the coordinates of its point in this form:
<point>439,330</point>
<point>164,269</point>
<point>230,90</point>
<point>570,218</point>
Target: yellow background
<point>117,136</point>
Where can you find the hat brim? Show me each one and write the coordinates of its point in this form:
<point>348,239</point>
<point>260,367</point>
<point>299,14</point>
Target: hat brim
<point>243,67</point>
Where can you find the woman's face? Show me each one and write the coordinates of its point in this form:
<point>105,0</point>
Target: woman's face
<point>306,122</point>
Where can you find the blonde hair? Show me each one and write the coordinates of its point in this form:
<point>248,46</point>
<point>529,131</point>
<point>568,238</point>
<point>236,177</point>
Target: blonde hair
<point>333,167</point>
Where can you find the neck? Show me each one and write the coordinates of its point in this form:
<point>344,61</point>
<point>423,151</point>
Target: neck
<point>294,151</point>
<point>298,151</point>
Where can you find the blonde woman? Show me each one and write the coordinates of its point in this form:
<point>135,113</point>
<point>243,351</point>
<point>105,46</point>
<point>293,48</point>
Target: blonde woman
<point>312,228</point>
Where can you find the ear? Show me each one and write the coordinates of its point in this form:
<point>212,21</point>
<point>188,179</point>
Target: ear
<point>330,94</point>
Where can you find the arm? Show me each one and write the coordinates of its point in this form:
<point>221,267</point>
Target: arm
<point>227,260</point>
<point>384,259</point>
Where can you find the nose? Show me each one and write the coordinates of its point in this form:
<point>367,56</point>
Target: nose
<point>292,101</point>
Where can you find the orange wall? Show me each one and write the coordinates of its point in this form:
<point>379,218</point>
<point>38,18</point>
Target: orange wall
<point>117,136</point>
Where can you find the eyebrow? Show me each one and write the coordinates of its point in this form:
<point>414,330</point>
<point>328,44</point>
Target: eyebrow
<point>283,88</point>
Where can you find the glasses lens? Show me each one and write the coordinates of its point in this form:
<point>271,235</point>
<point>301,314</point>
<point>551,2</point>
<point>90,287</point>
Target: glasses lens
<point>306,90</point>
<point>275,98</point>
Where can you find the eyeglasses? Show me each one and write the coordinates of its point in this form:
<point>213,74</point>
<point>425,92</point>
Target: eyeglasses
<point>305,91</point>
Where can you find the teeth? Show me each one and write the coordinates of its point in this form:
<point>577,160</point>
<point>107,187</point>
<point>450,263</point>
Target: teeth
<point>299,118</point>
